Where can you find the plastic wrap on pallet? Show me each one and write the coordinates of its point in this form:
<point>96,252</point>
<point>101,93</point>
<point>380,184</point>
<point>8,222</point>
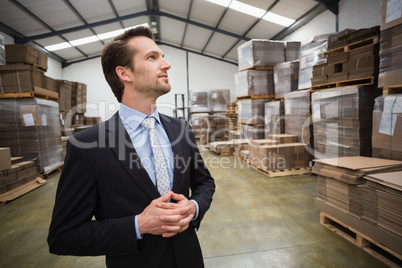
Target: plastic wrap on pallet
<point>390,73</point>
<point>274,118</point>
<point>342,121</point>
<point>292,51</point>
<point>254,83</point>
<point>311,54</point>
<point>387,127</point>
<point>260,53</point>
<point>218,99</point>
<point>31,128</point>
<point>213,128</point>
<point>251,111</point>
<point>199,101</point>
<point>251,132</point>
<point>2,51</point>
<point>286,78</point>
<point>298,116</point>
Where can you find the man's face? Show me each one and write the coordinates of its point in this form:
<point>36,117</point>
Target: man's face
<point>150,68</point>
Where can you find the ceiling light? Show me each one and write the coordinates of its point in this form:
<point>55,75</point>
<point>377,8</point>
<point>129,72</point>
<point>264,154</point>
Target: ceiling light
<point>85,40</point>
<point>247,9</point>
<point>90,39</point>
<point>278,19</point>
<point>58,46</point>
<point>110,34</point>
<point>254,11</point>
<point>224,3</point>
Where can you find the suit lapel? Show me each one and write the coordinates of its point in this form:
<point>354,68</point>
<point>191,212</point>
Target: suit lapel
<point>173,133</point>
<point>120,143</point>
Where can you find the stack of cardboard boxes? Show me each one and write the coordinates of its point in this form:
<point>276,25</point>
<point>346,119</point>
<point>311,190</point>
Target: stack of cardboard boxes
<point>352,55</point>
<point>274,121</point>
<point>278,152</point>
<point>286,78</point>
<point>387,115</point>
<point>298,116</point>
<point>31,128</point>
<point>342,121</point>
<point>14,172</point>
<point>208,118</point>
<point>363,194</point>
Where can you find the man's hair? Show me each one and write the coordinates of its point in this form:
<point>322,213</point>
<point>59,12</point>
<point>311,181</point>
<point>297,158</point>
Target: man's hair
<point>117,53</point>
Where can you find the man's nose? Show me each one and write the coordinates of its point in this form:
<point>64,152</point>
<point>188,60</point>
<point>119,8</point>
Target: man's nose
<point>165,65</point>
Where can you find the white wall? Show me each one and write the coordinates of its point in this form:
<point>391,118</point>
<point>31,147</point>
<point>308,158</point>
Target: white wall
<point>54,69</point>
<point>353,14</point>
<point>204,74</point>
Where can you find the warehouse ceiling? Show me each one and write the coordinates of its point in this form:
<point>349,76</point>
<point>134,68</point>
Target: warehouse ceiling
<point>198,26</point>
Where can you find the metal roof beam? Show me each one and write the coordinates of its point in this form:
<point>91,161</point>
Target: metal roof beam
<point>75,11</point>
<point>252,26</point>
<point>33,16</point>
<point>143,13</point>
<point>14,34</point>
<point>216,27</point>
<point>331,5</point>
<point>66,64</point>
<point>196,52</point>
<point>185,28</point>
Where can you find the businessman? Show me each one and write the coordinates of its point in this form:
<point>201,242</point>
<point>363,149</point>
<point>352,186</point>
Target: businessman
<point>133,188</point>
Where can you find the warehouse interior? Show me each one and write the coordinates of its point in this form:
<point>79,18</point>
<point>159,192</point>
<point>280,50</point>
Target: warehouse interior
<point>295,105</point>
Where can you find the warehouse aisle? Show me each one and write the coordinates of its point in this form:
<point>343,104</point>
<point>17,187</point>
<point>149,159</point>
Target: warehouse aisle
<point>254,221</point>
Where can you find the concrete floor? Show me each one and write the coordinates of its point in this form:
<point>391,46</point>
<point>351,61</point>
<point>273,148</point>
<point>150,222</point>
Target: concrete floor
<point>254,221</point>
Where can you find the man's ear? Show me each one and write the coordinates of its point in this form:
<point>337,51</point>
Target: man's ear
<point>123,73</point>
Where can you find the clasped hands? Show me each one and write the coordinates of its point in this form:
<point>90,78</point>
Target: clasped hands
<point>167,218</point>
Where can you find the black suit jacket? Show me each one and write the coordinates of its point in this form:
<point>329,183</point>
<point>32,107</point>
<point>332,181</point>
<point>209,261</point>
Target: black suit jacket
<point>103,186</point>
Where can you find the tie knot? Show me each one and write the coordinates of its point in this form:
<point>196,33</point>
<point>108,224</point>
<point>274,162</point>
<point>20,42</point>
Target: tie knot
<point>149,123</point>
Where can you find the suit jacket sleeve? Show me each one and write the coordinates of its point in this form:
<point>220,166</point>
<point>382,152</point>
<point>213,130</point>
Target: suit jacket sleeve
<point>72,230</point>
<point>202,185</point>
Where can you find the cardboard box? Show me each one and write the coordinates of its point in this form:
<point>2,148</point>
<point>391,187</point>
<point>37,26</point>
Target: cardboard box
<point>260,53</point>
<point>286,78</point>
<point>274,118</point>
<point>292,51</point>
<point>390,72</point>
<point>26,54</point>
<point>252,111</point>
<point>254,83</point>
<point>5,158</point>
<point>386,135</point>
<point>390,13</point>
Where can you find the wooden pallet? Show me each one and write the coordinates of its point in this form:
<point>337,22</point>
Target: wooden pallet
<point>369,41</point>
<point>21,190</point>
<point>351,82</point>
<point>381,252</point>
<point>283,172</point>
<point>258,68</point>
<point>256,97</point>
<point>53,170</point>
<point>392,90</point>
<point>36,93</point>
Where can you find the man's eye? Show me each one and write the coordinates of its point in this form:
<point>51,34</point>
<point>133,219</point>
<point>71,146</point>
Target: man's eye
<point>151,57</point>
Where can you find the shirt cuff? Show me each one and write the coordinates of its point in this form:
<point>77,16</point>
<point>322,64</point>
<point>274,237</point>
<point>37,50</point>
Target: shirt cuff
<point>197,208</point>
<point>137,229</point>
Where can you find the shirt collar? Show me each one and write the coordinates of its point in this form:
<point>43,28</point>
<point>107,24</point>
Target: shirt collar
<point>133,118</point>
